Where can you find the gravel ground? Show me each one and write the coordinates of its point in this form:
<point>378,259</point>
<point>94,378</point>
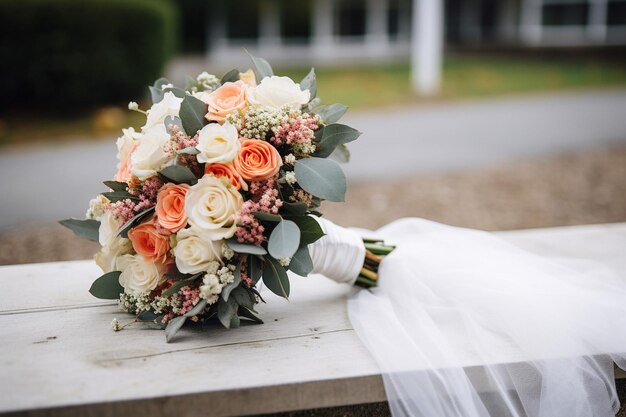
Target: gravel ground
<point>582,188</point>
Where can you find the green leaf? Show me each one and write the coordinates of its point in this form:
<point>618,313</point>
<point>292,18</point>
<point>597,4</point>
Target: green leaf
<point>147,316</point>
<point>123,232</point>
<point>237,280</point>
<point>313,104</point>
<point>197,309</point>
<point>115,196</point>
<point>255,268</point>
<point>231,76</point>
<point>267,217</point>
<point>332,113</point>
<point>296,209</point>
<point>107,286</point>
<point>156,90</point>
<point>234,322</point>
<point>83,228</point>
<point>310,229</point>
<point>179,174</point>
<point>341,154</point>
<point>173,326</point>
<point>243,297</point>
<point>262,68</point>
<point>309,83</point>
<point>275,277</point>
<point>284,240</point>
<point>301,262</point>
<point>116,185</point>
<point>226,310</point>
<point>321,177</point>
<point>331,136</point>
<point>244,312</point>
<point>173,120</point>
<point>245,247</point>
<point>192,112</point>
<point>178,92</point>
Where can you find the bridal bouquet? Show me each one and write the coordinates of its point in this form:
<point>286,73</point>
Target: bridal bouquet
<point>218,190</point>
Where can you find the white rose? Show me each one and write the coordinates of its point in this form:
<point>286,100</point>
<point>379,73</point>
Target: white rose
<point>275,92</point>
<point>138,275</point>
<point>211,205</point>
<point>151,155</point>
<point>126,142</point>
<point>106,259</point>
<point>169,106</point>
<point>218,143</point>
<point>195,250</point>
<point>108,229</point>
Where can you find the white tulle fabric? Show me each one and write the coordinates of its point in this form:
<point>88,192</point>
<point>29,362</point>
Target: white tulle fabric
<point>465,324</point>
<point>338,255</point>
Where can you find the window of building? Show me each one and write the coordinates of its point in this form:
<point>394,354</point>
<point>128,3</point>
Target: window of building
<point>351,15</point>
<point>295,20</point>
<point>565,14</point>
<point>616,13</point>
<point>242,19</point>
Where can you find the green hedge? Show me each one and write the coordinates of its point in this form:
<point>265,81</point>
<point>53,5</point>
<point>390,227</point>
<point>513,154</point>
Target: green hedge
<point>68,54</point>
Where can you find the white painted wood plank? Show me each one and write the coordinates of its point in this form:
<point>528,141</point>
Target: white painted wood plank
<point>58,349</point>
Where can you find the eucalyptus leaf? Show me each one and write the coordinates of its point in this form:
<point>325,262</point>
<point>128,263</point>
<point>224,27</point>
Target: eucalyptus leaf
<point>173,326</point>
<point>115,196</point>
<point>226,310</point>
<point>156,90</point>
<point>275,277</point>
<point>192,112</point>
<point>197,309</point>
<point>313,104</point>
<point>284,240</point>
<point>296,209</point>
<point>147,316</point>
<point>188,151</point>
<point>262,68</point>
<point>244,312</point>
<point>310,229</point>
<point>173,120</point>
<point>301,262</point>
<point>332,113</point>
<point>331,136</point>
<point>179,174</point>
<point>243,297</point>
<point>83,228</point>
<point>267,217</point>
<point>236,281</point>
<point>234,322</point>
<point>245,247</point>
<point>116,185</point>
<point>107,287</point>
<point>321,177</point>
<point>123,232</point>
<point>255,268</point>
<point>309,83</point>
<point>231,76</point>
<point>341,154</point>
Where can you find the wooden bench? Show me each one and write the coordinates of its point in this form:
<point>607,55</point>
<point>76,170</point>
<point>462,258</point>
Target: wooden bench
<point>59,355</point>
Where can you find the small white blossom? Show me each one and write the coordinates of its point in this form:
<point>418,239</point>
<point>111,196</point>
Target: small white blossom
<point>115,325</point>
<point>290,177</point>
<point>290,159</point>
<point>169,85</point>
<point>284,261</point>
<point>96,207</point>
<point>208,81</point>
<point>133,106</point>
<point>227,252</point>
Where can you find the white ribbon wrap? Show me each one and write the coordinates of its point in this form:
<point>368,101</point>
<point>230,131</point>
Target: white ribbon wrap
<point>338,255</point>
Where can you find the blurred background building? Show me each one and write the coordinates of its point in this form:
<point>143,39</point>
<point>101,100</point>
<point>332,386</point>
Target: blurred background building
<point>331,32</point>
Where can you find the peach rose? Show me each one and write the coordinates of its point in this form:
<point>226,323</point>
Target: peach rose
<point>226,99</point>
<point>257,160</point>
<point>149,243</point>
<point>227,171</point>
<point>170,207</point>
<point>123,172</point>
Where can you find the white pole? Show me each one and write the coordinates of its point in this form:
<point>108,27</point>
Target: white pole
<point>427,46</point>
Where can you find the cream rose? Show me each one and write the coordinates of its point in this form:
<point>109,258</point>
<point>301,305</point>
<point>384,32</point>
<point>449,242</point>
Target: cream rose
<point>125,144</point>
<point>274,92</point>
<point>151,155</point>
<point>106,259</point>
<point>217,143</point>
<point>138,275</point>
<point>168,106</point>
<point>195,250</point>
<point>211,205</point>
<point>108,228</point>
